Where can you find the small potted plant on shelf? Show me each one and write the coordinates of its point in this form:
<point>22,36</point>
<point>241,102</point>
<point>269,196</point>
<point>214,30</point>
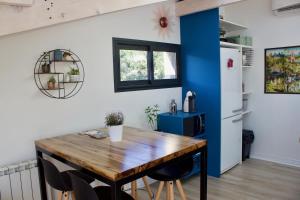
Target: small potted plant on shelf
<point>74,74</point>
<point>51,83</point>
<point>67,56</point>
<point>151,113</point>
<point>114,122</point>
<point>46,68</point>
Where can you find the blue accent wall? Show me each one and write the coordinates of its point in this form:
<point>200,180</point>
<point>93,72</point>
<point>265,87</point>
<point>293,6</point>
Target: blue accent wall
<point>201,73</point>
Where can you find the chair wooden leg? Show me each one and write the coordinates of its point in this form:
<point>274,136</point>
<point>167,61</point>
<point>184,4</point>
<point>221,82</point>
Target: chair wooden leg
<point>134,190</point>
<point>73,196</point>
<point>66,196</point>
<point>168,194</point>
<point>180,189</point>
<point>59,195</point>
<point>147,187</point>
<point>160,188</point>
<point>171,190</point>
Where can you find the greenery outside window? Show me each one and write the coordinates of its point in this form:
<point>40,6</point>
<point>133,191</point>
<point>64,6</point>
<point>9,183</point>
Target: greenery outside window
<point>141,65</point>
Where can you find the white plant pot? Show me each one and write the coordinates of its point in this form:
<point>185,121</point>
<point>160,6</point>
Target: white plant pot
<point>74,78</point>
<point>115,133</point>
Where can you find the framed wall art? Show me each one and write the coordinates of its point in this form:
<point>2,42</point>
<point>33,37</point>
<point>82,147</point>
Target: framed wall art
<point>282,70</point>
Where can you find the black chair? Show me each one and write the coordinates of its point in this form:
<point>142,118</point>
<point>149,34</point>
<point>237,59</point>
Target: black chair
<point>170,174</point>
<point>61,181</point>
<point>83,191</point>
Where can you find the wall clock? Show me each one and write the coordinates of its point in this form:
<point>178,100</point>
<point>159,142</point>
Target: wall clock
<point>164,21</point>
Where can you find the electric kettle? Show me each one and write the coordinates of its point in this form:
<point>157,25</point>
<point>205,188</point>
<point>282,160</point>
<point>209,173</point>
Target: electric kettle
<point>189,104</point>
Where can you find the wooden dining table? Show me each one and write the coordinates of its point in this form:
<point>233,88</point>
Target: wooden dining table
<point>118,163</point>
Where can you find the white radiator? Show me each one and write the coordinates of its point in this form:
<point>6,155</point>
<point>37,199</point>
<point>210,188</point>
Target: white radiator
<point>20,181</point>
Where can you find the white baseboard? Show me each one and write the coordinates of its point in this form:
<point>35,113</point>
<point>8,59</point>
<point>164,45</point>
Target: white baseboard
<point>277,159</point>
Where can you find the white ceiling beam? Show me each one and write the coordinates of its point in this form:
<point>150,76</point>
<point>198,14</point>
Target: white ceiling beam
<point>187,7</point>
<point>108,6</point>
<point>17,2</point>
<point>36,16</point>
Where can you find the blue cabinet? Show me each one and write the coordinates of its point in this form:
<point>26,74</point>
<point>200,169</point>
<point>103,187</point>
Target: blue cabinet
<point>181,123</point>
<point>187,124</point>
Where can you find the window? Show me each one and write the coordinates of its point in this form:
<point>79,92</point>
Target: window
<point>141,65</point>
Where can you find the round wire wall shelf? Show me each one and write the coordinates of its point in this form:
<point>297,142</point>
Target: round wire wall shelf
<point>59,74</point>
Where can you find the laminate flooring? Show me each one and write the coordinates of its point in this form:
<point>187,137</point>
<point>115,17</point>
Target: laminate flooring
<point>253,180</point>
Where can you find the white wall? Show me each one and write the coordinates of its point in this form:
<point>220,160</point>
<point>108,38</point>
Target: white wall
<point>27,115</point>
<point>275,119</point>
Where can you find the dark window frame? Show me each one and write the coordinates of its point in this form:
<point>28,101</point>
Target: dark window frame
<point>151,83</point>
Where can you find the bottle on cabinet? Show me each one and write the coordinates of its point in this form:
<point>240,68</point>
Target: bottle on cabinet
<point>173,107</point>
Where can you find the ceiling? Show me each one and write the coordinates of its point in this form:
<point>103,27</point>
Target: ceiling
<point>32,14</point>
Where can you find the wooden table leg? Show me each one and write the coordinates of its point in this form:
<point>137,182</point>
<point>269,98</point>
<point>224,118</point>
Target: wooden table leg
<point>134,190</point>
<point>42,180</point>
<point>203,174</point>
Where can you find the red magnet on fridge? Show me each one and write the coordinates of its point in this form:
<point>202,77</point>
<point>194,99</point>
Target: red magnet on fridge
<point>230,63</point>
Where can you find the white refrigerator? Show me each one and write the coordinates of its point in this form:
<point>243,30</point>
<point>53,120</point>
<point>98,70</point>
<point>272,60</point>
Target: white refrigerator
<point>231,109</point>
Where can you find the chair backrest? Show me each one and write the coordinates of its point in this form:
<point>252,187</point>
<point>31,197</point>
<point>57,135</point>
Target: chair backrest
<point>82,190</point>
<point>52,175</point>
<point>186,165</point>
<point>180,168</point>
<point>174,171</point>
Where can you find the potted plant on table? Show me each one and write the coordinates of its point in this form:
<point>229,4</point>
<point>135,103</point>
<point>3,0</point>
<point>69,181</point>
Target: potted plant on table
<point>152,112</point>
<point>51,83</point>
<point>74,74</point>
<point>114,121</point>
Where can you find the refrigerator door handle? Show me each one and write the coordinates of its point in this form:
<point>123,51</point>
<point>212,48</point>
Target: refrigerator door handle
<point>237,110</point>
<point>237,120</point>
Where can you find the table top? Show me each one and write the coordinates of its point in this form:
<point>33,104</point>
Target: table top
<point>138,151</point>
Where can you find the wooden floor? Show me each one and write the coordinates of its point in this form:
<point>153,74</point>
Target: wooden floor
<point>254,180</point>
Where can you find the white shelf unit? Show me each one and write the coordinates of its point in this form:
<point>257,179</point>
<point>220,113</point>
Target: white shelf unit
<point>247,55</point>
<point>229,44</point>
<point>246,112</point>
<point>246,46</point>
<point>247,93</point>
<point>247,63</point>
<point>247,67</point>
<point>231,26</point>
